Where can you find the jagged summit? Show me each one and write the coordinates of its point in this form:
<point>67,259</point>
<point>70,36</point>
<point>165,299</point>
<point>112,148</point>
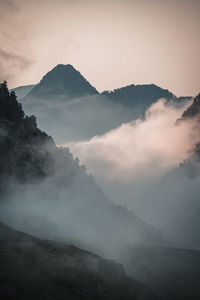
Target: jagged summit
<point>65,81</point>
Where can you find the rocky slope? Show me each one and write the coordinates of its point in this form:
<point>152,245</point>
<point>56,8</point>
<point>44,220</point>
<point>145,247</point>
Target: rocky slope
<point>40,269</point>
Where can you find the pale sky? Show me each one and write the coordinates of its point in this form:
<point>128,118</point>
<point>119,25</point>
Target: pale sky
<point>111,42</point>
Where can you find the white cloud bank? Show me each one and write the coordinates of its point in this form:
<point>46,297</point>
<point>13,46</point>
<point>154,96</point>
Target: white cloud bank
<point>141,148</point>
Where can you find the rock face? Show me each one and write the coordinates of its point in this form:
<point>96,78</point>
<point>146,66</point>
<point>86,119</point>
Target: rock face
<point>62,81</point>
<point>40,269</point>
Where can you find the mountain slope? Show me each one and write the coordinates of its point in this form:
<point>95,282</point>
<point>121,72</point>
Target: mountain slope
<point>62,81</point>
<point>40,269</point>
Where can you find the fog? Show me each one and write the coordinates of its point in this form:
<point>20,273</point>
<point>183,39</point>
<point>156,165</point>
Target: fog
<point>68,206</point>
<point>137,165</point>
<point>78,118</point>
<point>131,163</point>
<point>132,150</point>
<point>120,180</point>
<point>144,203</point>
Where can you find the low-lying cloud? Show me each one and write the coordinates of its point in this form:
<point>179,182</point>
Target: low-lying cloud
<point>137,165</point>
<point>141,148</point>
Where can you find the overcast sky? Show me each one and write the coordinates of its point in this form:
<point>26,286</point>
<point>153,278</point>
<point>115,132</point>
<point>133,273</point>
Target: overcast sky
<point>111,42</point>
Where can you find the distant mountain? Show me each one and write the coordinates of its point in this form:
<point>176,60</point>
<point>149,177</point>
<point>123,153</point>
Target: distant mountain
<point>40,269</point>
<point>86,112</point>
<point>22,91</point>
<point>62,81</point>
<point>141,96</point>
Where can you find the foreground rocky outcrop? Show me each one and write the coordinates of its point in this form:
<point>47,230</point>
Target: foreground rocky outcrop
<point>39,269</point>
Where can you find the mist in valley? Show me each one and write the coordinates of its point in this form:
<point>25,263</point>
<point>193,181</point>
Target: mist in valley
<point>138,165</point>
<point>131,158</point>
<point>99,177</point>
<point>131,191</point>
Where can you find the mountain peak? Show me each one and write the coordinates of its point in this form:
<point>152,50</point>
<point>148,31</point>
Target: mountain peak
<point>63,81</point>
<point>62,66</point>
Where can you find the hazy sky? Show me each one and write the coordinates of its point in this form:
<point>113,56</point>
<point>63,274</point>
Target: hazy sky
<point>111,42</point>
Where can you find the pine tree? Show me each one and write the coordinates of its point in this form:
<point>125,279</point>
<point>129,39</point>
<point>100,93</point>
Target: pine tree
<point>10,109</point>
